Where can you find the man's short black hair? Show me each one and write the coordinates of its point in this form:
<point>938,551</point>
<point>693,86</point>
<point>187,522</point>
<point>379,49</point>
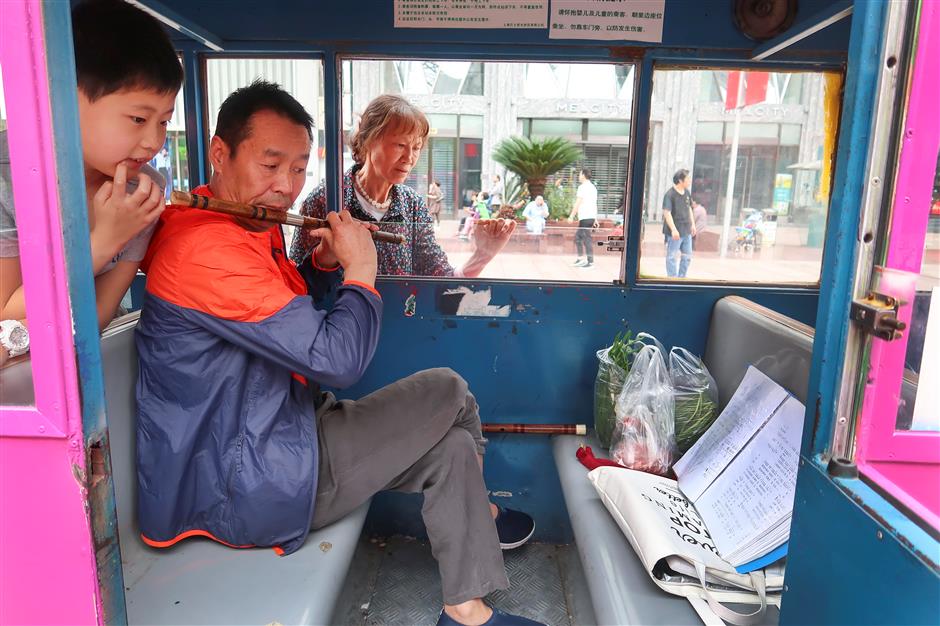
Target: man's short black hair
<point>232,125</point>
<point>679,176</point>
<point>586,173</point>
<point>118,46</point>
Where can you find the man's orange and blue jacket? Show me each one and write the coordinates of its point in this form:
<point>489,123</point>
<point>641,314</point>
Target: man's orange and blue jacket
<point>232,352</point>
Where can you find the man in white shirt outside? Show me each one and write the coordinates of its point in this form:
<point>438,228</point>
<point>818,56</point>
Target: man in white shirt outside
<point>585,207</point>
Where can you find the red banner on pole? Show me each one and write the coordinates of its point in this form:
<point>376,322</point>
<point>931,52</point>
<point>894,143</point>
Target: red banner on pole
<point>755,89</point>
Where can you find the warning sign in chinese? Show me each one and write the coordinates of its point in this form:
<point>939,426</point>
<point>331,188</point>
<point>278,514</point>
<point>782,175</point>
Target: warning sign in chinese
<point>633,20</point>
<point>471,13</point>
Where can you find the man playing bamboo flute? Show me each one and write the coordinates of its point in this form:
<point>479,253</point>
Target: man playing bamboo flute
<point>235,439</point>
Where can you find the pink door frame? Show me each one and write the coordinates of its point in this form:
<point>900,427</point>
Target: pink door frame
<point>906,463</point>
<point>48,560</point>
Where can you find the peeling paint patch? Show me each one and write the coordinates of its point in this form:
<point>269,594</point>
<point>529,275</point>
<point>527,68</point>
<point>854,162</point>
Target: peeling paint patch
<point>325,546</point>
<point>410,305</point>
<point>472,303</point>
<point>501,494</point>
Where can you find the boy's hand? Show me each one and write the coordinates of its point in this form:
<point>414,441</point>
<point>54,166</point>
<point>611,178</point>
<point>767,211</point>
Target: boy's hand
<point>120,216</point>
<point>349,242</point>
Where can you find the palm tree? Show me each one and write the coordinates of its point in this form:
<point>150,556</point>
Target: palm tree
<point>535,161</point>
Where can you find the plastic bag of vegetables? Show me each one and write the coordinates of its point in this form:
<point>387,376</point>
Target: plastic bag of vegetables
<point>644,437</point>
<point>613,363</point>
<point>696,397</point>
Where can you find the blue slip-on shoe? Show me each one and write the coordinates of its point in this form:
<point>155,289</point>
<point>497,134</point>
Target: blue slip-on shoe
<point>513,527</point>
<point>497,619</point>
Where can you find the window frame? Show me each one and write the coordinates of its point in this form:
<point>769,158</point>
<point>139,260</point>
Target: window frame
<point>438,55</point>
<point>666,61</point>
<point>203,81</point>
<point>36,185</point>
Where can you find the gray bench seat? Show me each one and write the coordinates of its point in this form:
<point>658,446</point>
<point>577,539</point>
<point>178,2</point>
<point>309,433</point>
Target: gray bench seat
<point>621,590</point>
<point>198,581</point>
<point>741,333</point>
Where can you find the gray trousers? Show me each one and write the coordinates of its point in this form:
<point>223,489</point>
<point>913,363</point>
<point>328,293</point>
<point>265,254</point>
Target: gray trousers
<point>419,434</point>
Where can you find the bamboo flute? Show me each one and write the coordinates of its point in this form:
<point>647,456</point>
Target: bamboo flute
<point>265,214</point>
<point>537,429</point>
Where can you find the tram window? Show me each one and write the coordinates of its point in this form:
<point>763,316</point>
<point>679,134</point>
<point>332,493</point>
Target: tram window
<point>16,387</point>
<point>302,78</point>
<point>772,229</point>
<point>917,407</point>
<point>173,160</point>
<point>472,108</point>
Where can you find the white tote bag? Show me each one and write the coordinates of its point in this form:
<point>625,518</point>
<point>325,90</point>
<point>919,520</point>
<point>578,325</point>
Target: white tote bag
<point>675,547</point>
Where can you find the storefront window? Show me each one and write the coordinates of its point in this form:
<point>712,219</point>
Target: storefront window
<point>443,125</point>
<point>790,134</point>
<point>761,220</point>
<point>471,126</point>
<point>614,130</point>
<point>569,129</point>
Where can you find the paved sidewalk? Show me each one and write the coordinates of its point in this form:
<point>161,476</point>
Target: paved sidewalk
<point>787,261</point>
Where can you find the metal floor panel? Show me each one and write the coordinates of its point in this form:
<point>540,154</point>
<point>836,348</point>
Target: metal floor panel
<point>396,583</point>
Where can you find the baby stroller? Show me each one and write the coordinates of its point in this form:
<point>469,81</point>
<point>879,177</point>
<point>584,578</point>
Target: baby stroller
<point>748,236</point>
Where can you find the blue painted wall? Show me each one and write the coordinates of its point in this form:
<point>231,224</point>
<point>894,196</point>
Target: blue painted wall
<point>537,366</point>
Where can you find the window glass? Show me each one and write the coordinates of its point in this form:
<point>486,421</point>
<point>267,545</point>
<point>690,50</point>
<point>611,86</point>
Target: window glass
<point>760,221</point>
<point>569,129</point>
<point>917,409</point>
<point>790,134</point>
<point>443,125</point>
<point>471,125</point>
<point>16,380</point>
<point>587,106</point>
<point>709,132</point>
<point>608,129</point>
<point>173,160</point>
<point>302,78</point>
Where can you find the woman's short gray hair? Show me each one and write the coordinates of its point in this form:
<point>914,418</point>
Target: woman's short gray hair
<point>387,113</point>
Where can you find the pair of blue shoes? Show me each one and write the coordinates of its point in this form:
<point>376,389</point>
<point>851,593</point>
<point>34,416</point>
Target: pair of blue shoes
<point>497,619</point>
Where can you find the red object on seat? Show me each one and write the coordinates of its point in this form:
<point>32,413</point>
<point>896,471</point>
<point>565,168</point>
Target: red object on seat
<point>587,459</point>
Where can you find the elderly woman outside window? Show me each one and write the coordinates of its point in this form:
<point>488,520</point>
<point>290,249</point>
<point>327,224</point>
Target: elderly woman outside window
<point>386,147</point>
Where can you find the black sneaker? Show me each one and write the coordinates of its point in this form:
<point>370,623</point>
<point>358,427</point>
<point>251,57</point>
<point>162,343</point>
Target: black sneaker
<point>513,527</point>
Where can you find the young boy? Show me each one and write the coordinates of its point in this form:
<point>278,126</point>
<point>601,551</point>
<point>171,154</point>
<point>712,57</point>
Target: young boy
<point>481,206</point>
<point>128,77</point>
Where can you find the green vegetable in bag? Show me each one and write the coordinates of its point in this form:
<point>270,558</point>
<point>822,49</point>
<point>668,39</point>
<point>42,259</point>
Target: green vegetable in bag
<point>696,397</point>
<point>613,365</point>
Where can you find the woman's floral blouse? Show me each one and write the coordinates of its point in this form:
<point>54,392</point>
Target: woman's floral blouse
<point>408,215</point>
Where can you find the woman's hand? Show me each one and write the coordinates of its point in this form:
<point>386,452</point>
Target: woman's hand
<point>490,236</point>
